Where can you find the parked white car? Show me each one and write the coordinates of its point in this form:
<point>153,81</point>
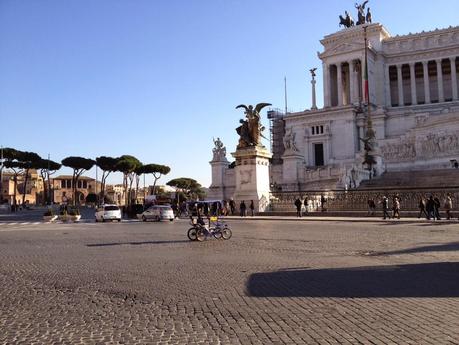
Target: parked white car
<point>158,213</point>
<point>108,212</point>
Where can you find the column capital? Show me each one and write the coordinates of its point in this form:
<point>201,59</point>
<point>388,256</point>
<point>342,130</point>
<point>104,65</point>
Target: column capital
<point>425,63</point>
<point>399,65</point>
<point>412,64</point>
<point>452,58</point>
<point>438,61</point>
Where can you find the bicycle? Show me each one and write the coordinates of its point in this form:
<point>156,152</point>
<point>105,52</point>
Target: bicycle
<point>200,231</point>
<point>217,229</point>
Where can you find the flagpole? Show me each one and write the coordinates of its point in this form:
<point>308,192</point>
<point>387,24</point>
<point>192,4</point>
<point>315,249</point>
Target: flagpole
<point>285,94</point>
<point>370,134</point>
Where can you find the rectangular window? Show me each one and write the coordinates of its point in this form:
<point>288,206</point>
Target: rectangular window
<point>85,184</point>
<point>321,129</point>
<point>313,130</point>
<point>62,183</point>
<point>79,184</point>
<point>319,154</point>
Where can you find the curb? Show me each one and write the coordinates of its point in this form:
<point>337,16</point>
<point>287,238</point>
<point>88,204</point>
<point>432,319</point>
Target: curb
<point>345,219</point>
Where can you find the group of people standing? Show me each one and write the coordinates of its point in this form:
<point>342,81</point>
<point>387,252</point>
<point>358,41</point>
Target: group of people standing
<point>229,208</point>
<point>305,204</point>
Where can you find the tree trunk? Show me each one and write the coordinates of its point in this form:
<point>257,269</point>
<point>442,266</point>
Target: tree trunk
<point>125,190</point>
<point>131,180</point>
<point>74,188</point>
<point>137,181</point>
<point>50,197</point>
<point>24,191</point>
<point>45,187</point>
<point>15,186</point>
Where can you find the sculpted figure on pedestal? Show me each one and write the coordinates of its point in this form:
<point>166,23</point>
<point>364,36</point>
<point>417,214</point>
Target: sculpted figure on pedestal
<point>219,150</point>
<point>347,20</point>
<point>289,141</point>
<point>361,12</point>
<point>368,18</point>
<point>250,129</point>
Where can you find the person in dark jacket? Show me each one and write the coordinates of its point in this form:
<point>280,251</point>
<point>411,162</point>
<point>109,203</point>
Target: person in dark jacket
<point>422,208</point>
<point>437,206</point>
<point>385,207</point>
<point>430,208</point>
<point>298,204</point>
<point>306,204</point>
<point>252,207</point>
<point>242,208</point>
<point>232,206</point>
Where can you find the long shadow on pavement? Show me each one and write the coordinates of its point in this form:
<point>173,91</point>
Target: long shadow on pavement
<point>416,280</point>
<point>134,243</point>
<point>445,247</point>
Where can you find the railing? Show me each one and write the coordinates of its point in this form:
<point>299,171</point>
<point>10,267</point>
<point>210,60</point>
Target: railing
<point>357,200</point>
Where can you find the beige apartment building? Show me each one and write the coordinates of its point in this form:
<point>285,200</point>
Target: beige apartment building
<point>34,188</point>
<point>62,187</point>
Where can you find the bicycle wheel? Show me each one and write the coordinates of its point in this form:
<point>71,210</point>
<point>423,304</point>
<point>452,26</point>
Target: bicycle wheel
<point>192,234</point>
<point>226,233</point>
<point>201,235</point>
<point>217,232</point>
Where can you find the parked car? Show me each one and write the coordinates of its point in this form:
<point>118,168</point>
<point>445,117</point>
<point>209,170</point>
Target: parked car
<point>108,212</point>
<point>158,213</point>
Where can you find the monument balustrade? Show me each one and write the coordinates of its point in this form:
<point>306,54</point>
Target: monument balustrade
<point>357,199</point>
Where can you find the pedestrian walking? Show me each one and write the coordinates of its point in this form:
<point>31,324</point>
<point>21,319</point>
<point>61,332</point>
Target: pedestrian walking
<point>437,206</point>
<point>422,207</point>
<point>396,207</point>
<point>225,208</point>
<point>252,207</point>
<point>385,207</point>
<point>430,208</point>
<point>232,206</point>
<point>371,207</point>
<point>323,201</point>
<point>306,204</point>
<point>242,208</point>
<point>448,206</point>
<point>298,204</point>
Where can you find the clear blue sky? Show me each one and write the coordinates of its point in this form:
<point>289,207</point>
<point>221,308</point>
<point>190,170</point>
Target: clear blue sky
<point>158,79</point>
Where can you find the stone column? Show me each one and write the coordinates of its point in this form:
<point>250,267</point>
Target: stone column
<point>387,86</point>
<point>454,77</point>
<point>425,65</point>
<point>441,95</point>
<point>326,69</point>
<point>339,80</point>
<point>401,100</point>
<point>414,97</point>
<point>354,82</point>
<point>313,84</point>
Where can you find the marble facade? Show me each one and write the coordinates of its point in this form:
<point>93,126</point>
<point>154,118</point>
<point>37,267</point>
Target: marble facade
<point>413,92</point>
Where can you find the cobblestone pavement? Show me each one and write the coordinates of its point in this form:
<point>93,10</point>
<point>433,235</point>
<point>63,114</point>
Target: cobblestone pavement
<point>273,283</point>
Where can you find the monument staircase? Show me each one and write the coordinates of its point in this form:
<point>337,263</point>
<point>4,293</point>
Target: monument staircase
<point>414,179</point>
<point>410,186</point>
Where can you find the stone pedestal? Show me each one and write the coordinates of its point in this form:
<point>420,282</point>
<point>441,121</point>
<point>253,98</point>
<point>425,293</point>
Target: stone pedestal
<point>252,177</point>
<point>217,188</point>
<point>292,161</point>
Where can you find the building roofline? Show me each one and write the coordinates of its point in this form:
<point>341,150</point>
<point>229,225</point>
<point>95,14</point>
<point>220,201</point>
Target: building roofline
<point>422,34</point>
<point>69,177</point>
